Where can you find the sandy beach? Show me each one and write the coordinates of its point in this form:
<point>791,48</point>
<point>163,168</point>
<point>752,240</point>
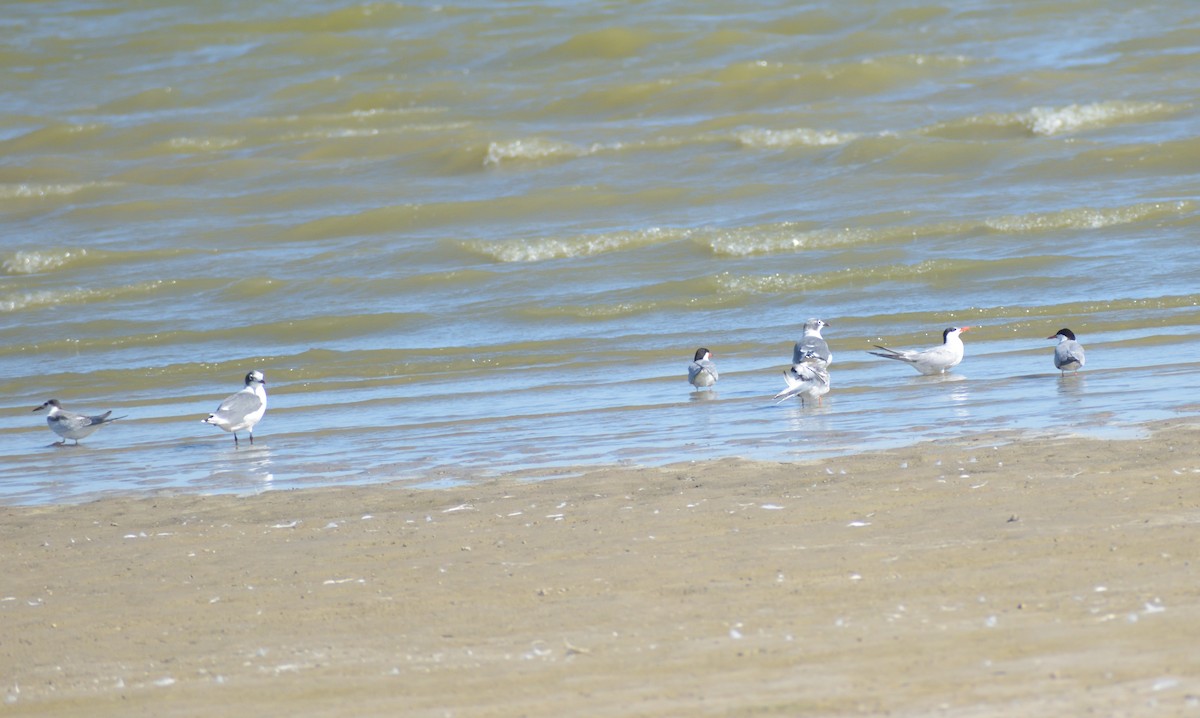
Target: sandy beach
<point>988,577</point>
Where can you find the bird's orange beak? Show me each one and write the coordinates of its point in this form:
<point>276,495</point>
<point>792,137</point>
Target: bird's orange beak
<point>964,329</point>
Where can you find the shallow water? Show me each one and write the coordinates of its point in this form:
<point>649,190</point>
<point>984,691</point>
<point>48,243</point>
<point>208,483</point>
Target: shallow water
<point>479,237</point>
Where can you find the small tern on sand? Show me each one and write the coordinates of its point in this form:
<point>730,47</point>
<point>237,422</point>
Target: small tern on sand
<point>702,373</point>
<point>1068,354</point>
<point>241,411</point>
<point>812,342</point>
<point>937,360</point>
<point>808,378</point>
<point>73,426</point>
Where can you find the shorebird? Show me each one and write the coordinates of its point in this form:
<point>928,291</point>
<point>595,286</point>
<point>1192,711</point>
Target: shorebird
<point>702,372</point>
<point>1068,353</point>
<point>936,360</point>
<point>808,378</point>
<point>73,426</point>
<point>812,342</point>
<point>242,410</point>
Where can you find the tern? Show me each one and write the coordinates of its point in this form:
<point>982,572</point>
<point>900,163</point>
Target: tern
<point>73,426</point>
<point>937,360</point>
<point>812,342</point>
<point>241,411</point>
<point>1068,354</point>
<point>702,373</point>
<point>808,378</point>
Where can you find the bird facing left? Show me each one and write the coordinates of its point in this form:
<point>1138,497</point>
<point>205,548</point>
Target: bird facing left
<point>70,425</point>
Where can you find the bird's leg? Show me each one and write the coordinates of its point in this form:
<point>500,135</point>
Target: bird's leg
<point>235,440</point>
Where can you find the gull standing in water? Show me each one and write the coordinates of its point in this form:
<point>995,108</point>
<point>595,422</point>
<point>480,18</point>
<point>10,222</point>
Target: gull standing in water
<point>241,411</point>
<point>808,378</point>
<point>73,426</point>
<point>1068,354</point>
<point>702,372</point>
<point>812,342</point>
<point>937,360</point>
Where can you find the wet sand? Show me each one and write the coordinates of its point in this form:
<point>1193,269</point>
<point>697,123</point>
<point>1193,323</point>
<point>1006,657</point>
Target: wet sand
<point>988,577</point>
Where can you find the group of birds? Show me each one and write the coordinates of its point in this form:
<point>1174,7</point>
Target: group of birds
<point>239,411</point>
<point>808,377</point>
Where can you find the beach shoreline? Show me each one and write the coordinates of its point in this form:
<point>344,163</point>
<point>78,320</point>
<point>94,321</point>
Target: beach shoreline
<point>983,576</point>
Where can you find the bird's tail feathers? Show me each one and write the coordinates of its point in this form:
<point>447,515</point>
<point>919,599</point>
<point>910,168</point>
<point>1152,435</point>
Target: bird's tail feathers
<point>891,354</point>
<point>794,387</point>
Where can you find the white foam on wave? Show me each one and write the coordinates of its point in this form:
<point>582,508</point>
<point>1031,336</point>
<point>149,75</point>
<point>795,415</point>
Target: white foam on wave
<point>786,237</point>
<point>30,300</point>
<point>349,133</point>
<point>204,144</point>
<point>532,149</point>
<point>35,262</point>
<point>1058,120</point>
<point>1086,217</point>
<point>798,137</point>
<point>535,148</point>
<point>547,248</point>
<point>37,191</point>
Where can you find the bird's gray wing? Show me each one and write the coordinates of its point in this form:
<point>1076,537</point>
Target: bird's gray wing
<point>75,422</point>
<point>703,366</point>
<point>1070,352</point>
<point>242,403</point>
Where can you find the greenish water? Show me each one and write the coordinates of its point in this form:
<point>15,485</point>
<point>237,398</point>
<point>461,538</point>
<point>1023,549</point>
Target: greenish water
<point>479,237</point>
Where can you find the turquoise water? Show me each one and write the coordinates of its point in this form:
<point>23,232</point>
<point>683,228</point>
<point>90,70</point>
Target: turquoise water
<point>464,239</point>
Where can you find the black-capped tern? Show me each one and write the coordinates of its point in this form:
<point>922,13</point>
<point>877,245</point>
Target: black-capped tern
<point>73,426</point>
<point>702,372</point>
<point>1068,353</point>
<point>936,360</point>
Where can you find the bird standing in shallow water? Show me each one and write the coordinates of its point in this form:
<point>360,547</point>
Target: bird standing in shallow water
<point>1068,353</point>
<point>702,372</point>
<point>808,378</point>
<point>936,360</point>
<point>241,411</point>
<point>72,426</point>
<point>812,342</point>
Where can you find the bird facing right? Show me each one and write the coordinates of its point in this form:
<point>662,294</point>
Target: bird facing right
<point>241,411</point>
<point>1068,353</point>
<point>936,360</point>
<point>702,372</point>
<point>812,341</point>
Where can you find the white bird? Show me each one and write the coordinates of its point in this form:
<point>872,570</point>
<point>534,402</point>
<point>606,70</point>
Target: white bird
<point>73,426</point>
<point>1068,353</point>
<point>241,411</point>
<point>937,360</point>
<point>808,378</point>
<point>702,372</point>
<point>812,342</point>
